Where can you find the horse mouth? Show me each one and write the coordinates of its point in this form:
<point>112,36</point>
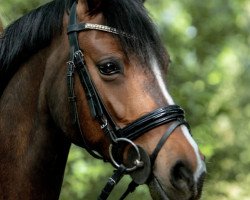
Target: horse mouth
<point>158,191</point>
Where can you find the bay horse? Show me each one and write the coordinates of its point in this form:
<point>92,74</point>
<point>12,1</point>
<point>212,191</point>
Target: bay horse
<point>91,72</point>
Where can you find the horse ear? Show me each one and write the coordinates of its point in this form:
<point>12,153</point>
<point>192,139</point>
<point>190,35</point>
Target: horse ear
<point>93,4</point>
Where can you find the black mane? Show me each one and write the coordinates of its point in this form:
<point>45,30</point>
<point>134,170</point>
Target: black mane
<point>27,36</point>
<point>35,31</point>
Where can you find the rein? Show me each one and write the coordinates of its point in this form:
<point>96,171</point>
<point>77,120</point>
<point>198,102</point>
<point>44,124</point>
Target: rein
<point>142,164</point>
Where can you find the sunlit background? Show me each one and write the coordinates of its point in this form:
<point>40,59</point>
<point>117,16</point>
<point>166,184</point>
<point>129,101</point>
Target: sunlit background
<point>208,42</point>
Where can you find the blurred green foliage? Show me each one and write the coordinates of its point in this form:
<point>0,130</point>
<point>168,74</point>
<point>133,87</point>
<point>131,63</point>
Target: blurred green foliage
<point>209,76</point>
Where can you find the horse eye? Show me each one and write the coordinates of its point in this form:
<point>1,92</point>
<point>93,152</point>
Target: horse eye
<point>109,68</point>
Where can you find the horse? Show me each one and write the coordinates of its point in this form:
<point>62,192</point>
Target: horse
<point>90,72</point>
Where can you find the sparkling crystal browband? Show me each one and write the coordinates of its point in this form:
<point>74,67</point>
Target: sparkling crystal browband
<point>106,29</point>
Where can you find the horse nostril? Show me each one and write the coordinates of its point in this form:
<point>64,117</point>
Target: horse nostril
<point>182,177</point>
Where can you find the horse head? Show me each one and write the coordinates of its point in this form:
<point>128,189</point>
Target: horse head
<point>126,94</point>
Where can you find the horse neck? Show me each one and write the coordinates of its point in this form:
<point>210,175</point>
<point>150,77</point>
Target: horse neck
<point>33,151</point>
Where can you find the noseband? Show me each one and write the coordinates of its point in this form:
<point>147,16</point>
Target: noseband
<point>141,161</point>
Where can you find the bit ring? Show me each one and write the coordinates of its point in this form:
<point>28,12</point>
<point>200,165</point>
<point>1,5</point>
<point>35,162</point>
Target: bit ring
<point>137,162</point>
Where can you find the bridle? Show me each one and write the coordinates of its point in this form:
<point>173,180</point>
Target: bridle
<point>140,168</point>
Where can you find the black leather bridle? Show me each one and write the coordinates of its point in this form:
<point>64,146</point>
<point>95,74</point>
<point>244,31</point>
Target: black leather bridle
<point>141,161</point>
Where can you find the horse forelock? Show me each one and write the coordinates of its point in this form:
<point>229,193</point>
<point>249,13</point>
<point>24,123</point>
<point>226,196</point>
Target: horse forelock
<point>130,16</point>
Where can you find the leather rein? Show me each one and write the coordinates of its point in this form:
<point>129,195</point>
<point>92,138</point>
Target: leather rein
<point>141,165</point>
